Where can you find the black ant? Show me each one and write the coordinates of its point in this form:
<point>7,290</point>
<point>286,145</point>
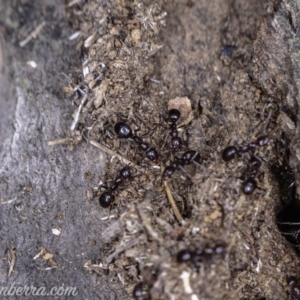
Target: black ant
<point>140,291</point>
<point>106,198</point>
<point>249,185</point>
<point>288,220</point>
<point>230,152</point>
<point>184,255</point>
<point>198,255</point>
<point>187,158</point>
<point>124,131</point>
<point>255,162</point>
<point>295,288</point>
<point>174,115</point>
<point>292,232</point>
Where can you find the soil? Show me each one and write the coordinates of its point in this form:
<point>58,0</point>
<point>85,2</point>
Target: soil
<point>230,68</point>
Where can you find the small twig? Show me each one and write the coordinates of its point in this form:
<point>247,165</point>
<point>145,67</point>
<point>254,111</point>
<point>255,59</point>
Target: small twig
<point>75,35</point>
<point>82,103</point>
<point>8,201</point>
<point>264,131</point>
<point>113,153</point>
<point>57,142</point>
<point>32,35</point>
<point>173,203</point>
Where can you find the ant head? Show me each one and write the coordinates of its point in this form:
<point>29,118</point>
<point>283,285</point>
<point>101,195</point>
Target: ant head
<point>174,115</point>
<point>123,130</point>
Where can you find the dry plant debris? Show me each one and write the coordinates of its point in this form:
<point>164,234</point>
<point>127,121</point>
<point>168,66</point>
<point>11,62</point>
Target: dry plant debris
<point>143,238</point>
<point>46,256</point>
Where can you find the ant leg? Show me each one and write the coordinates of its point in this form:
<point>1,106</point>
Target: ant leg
<point>122,117</point>
<point>105,186</point>
<point>165,140</point>
<point>287,233</point>
<point>127,150</point>
<point>108,133</point>
<point>148,132</point>
<point>294,236</point>
<point>134,150</point>
<point>196,163</point>
<point>110,216</point>
<point>193,158</point>
<point>295,245</point>
<point>288,223</point>
<point>182,168</point>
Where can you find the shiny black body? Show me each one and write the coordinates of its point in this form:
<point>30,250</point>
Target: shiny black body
<point>106,198</point>
<point>124,131</point>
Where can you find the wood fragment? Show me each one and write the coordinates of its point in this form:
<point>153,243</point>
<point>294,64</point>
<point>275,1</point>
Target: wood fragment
<point>32,35</point>
<point>57,142</point>
<point>2,201</point>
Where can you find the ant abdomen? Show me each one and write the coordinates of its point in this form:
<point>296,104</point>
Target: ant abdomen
<point>106,199</point>
<point>229,153</point>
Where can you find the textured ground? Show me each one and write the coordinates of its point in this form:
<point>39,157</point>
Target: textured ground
<point>236,61</point>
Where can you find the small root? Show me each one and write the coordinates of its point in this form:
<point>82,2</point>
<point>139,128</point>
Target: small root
<point>173,203</point>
